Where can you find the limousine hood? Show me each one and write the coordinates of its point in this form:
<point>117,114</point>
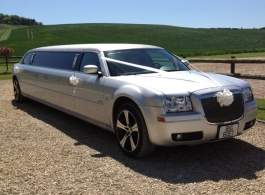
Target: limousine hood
<point>181,82</point>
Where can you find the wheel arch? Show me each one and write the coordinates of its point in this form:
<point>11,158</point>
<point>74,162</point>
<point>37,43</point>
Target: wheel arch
<point>118,103</point>
<point>19,97</point>
<point>136,94</point>
<point>14,77</point>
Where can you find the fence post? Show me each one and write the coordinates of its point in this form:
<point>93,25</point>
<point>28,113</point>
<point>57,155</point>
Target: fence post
<point>233,65</point>
<point>6,64</point>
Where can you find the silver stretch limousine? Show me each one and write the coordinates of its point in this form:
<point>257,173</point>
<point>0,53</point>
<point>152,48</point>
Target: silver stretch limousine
<point>144,94</point>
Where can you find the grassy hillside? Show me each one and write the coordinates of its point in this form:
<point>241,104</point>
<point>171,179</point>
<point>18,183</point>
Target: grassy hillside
<point>5,31</point>
<point>181,41</point>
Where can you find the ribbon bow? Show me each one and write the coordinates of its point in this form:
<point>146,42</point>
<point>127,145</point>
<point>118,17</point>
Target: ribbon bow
<point>225,98</point>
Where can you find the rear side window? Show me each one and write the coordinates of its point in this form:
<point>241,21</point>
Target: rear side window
<point>27,58</point>
<point>58,60</point>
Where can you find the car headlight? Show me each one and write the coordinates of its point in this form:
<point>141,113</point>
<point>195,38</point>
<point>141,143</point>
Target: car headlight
<point>177,104</point>
<point>247,93</point>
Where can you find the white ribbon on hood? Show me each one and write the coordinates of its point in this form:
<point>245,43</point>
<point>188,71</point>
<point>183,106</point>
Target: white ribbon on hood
<point>224,98</point>
<point>134,65</point>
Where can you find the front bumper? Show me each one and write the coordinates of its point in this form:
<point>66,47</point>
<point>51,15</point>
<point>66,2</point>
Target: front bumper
<point>161,133</point>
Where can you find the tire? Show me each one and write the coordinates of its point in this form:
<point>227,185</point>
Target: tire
<point>131,132</point>
<point>17,91</point>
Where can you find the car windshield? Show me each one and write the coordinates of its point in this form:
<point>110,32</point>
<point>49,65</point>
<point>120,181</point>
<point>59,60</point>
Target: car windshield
<point>150,58</point>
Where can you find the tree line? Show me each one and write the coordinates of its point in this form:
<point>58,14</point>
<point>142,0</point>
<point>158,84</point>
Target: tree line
<point>17,20</point>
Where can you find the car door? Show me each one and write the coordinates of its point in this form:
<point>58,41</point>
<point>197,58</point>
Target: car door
<point>48,78</point>
<point>88,93</point>
<point>24,73</point>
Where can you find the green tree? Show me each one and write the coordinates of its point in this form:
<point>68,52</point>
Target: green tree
<point>17,20</point>
<point>1,17</point>
<point>14,19</point>
<point>6,19</point>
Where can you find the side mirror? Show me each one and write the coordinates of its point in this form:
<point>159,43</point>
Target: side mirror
<point>186,62</point>
<point>90,69</point>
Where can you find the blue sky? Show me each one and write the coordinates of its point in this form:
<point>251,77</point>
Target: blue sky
<point>183,13</point>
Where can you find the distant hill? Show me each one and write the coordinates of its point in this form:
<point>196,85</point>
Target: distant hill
<point>179,40</point>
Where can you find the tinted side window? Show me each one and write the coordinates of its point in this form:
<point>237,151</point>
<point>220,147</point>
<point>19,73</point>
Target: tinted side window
<point>89,58</point>
<point>58,60</point>
<point>27,58</point>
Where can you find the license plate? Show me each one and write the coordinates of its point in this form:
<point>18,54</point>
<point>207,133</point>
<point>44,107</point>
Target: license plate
<point>227,131</point>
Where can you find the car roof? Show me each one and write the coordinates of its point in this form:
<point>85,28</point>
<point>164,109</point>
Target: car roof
<point>98,47</point>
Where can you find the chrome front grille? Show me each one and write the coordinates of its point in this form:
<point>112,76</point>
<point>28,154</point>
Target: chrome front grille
<point>214,113</point>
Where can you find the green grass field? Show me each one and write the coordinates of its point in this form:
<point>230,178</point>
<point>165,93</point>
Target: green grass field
<point>238,55</point>
<point>179,40</point>
<point>261,109</point>
<point>4,31</point>
<point>4,75</point>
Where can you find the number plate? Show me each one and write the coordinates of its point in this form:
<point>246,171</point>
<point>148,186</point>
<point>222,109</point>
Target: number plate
<point>228,131</point>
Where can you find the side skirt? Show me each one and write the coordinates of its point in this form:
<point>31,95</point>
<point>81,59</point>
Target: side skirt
<point>89,120</point>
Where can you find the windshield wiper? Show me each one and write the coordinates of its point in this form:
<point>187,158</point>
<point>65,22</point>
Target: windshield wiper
<point>135,73</point>
<point>124,74</point>
<point>171,70</point>
<point>147,72</point>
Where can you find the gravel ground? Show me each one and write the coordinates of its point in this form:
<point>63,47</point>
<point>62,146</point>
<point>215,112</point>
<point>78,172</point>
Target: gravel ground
<point>44,151</point>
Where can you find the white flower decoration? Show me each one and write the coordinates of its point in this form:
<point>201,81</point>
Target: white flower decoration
<point>225,98</point>
<point>74,80</point>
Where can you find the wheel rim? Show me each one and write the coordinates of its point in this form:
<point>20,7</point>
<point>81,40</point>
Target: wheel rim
<point>127,131</point>
<point>16,90</point>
